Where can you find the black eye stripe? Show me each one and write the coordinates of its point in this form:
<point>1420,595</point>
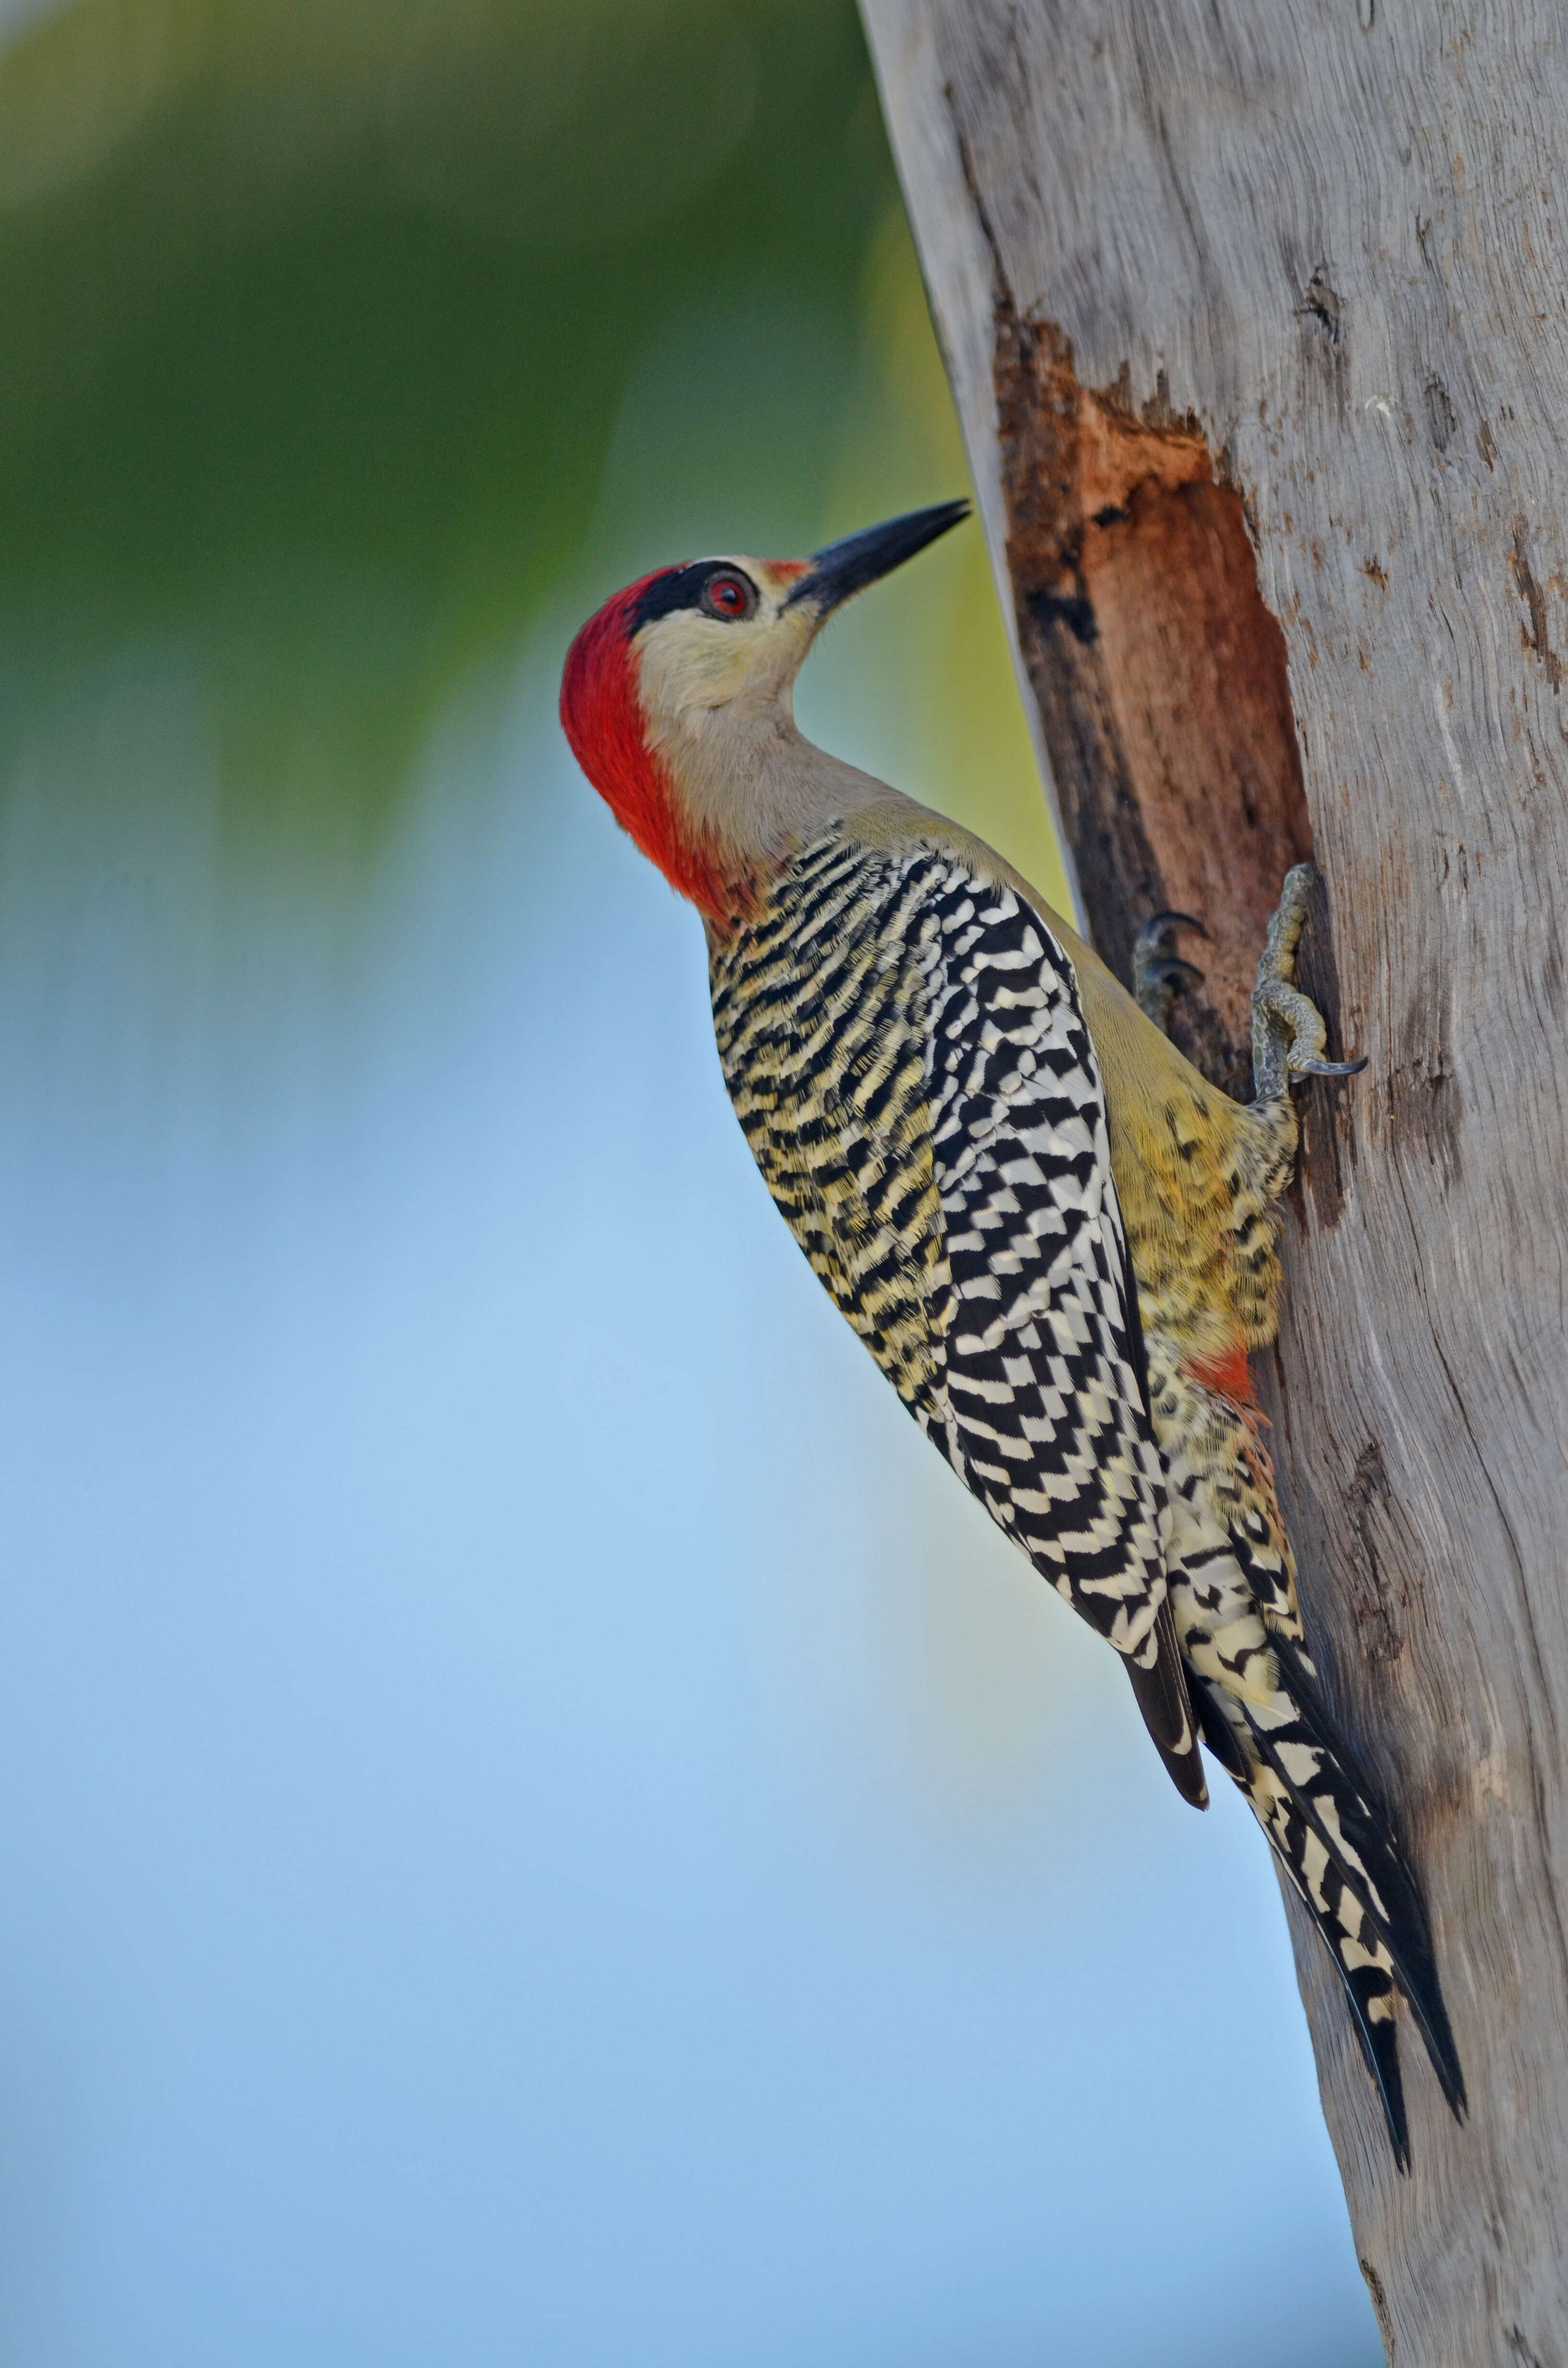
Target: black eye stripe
<point>682,587</point>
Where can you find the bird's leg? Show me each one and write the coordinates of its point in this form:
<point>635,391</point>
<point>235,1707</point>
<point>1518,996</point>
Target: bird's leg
<point>1157,968</point>
<point>1287,1031</point>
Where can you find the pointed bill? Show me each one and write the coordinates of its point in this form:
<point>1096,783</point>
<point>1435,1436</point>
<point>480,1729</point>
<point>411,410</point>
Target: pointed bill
<point>842,569</point>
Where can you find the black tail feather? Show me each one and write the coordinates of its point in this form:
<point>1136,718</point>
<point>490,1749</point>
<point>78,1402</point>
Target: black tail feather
<point>1379,2041</point>
<point>1401,1922</point>
<point>1377,1904</point>
<point>1164,1699</point>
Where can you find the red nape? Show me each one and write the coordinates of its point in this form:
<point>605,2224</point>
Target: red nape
<point>601,715</point>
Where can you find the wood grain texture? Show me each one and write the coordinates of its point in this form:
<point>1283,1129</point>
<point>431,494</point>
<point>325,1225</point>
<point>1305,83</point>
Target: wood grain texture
<point>1328,237</point>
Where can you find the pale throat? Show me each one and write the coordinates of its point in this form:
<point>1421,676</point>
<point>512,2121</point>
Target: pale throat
<point>747,783</point>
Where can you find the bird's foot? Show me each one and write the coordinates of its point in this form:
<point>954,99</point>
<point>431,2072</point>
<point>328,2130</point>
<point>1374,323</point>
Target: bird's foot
<point>1288,1031</point>
<point>1157,968</point>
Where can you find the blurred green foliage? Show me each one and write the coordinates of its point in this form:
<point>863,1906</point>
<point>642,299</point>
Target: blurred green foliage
<point>316,320</point>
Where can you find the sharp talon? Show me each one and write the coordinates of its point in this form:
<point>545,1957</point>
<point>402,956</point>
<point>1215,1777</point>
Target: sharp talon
<point>1173,971</point>
<point>1329,1068</point>
<point>1158,921</point>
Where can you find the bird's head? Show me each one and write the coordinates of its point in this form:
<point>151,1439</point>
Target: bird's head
<point>676,699</point>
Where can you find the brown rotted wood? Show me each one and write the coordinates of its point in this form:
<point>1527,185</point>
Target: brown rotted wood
<point>1257,326</point>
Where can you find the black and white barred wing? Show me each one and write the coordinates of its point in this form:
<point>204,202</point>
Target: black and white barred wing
<point>905,1052</point>
<point>1045,1398</point>
<point>817,1009</point>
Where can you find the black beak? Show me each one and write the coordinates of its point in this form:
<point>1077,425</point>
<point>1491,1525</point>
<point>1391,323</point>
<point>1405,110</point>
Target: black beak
<point>848,567</point>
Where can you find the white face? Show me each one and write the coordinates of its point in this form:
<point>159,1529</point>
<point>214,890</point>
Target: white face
<point>735,638</point>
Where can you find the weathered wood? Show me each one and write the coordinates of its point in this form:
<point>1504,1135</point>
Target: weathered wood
<point>1299,263</point>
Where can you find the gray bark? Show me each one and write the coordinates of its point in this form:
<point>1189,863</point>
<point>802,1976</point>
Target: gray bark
<point>1285,285</point>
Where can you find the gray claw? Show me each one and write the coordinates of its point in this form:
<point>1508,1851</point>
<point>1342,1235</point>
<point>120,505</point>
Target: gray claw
<point>1288,1029</point>
<point>1329,1068</point>
<point>1157,968</point>
<point>1171,970</point>
<point>1158,923</point>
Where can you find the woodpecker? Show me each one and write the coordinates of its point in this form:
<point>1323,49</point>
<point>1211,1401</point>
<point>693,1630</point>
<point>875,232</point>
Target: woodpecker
<point>1055,1237</point>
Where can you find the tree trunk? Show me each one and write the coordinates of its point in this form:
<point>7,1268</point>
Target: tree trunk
<point>1257,321</point>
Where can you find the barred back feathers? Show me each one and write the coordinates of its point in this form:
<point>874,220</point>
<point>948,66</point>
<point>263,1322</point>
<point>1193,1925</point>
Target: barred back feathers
<point>905,1049</point>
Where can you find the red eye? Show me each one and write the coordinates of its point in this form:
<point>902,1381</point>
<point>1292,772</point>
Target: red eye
<point>729,595</point>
